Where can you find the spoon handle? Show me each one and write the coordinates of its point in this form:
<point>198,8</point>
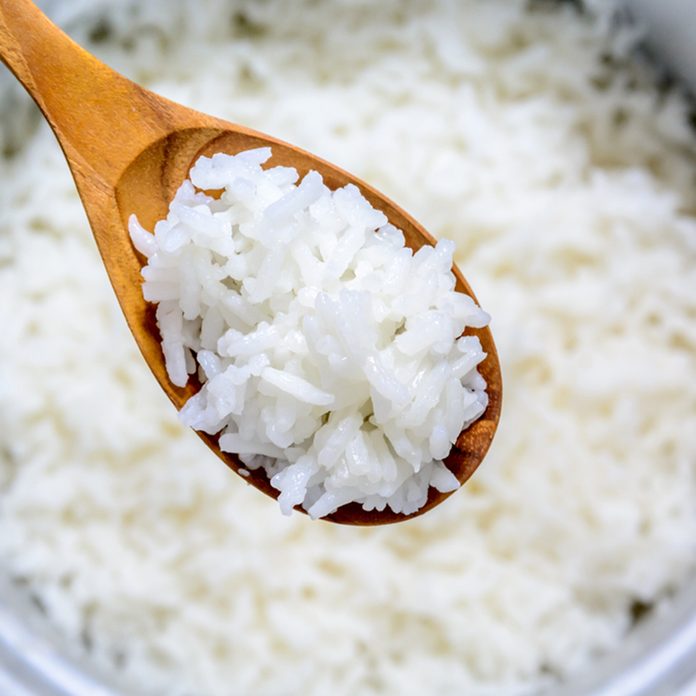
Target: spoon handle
<point>101,119</point>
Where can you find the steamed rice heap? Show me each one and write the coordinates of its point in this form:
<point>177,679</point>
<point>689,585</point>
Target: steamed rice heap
<point>330,355</point>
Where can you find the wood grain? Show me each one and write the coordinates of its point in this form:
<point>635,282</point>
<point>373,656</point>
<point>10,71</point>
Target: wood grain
<point>129,150</point>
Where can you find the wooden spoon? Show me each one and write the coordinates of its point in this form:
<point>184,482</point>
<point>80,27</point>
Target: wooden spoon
<point>129,150</point>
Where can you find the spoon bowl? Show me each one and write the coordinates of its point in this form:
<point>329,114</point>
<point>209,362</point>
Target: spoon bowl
<point>129,150</point>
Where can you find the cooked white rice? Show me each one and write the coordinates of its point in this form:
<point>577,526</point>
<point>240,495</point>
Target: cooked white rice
<point>567,183</point>
<point>329,354</point>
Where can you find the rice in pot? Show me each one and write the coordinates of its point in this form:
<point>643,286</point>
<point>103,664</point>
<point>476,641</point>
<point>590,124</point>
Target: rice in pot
<point>567,182</point>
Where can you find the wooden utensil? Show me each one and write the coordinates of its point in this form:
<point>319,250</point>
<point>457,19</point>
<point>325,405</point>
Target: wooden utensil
<point>129,150</point>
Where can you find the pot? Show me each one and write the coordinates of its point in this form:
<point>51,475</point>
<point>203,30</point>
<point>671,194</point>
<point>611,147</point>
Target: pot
<point>659,656</point>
